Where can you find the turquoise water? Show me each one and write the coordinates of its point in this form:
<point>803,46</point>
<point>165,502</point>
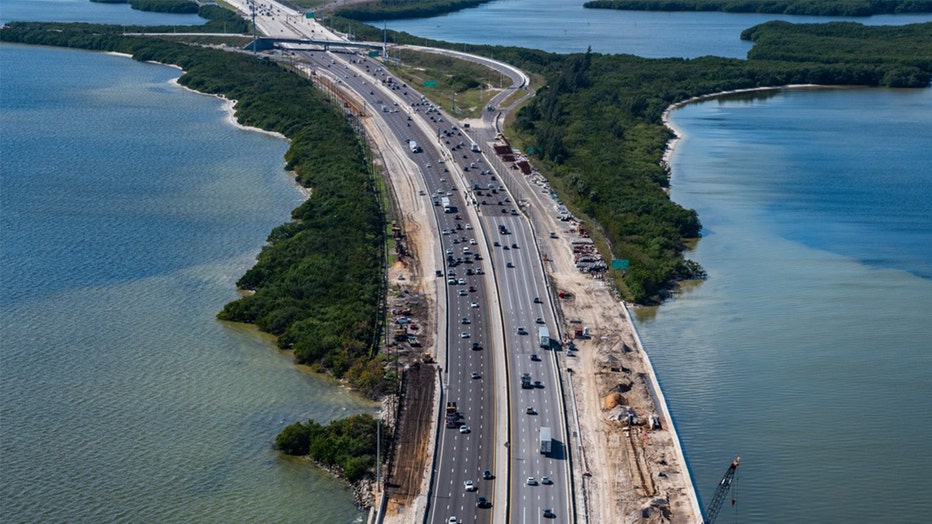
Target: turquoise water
<point>807,349</point>
<point>129,209</point>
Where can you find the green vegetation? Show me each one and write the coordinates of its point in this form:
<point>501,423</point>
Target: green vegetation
<point>318,282</point>
<point>783,7</point>
<point>158,6</point>
<point>894,56</point>
<point>348,444</point>
<point>397,9</point>
<point>597,123</point>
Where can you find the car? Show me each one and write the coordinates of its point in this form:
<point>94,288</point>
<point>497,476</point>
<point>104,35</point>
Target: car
<point>476,346</point>
<point>534,357</point>
<point>461,281</point>
<point>537,300</point>
<point>463,293</point>
<point>472,289</point>
<point>530,411</point>
<point>479,271</point>
<point>464,334</point>
<point>451,281</point>
<point>549,514</point>
<point>522,331</point>
<point>474,305</point>
<point>496,243</point>
<point>482,502</point>
<point>514,246</point>
<point>531,481</point>
<point>487,475</point>
<point>505,247</point>
<point>464,429</point>
<point>468,226</point>
<point>475,374</point>
<point>470,485</point>
<point>452,520</point>
<point>546,480</point>
<point>539,320</point>
<point>509,265</point>
<point>538,384</point>
<point>465,320</point>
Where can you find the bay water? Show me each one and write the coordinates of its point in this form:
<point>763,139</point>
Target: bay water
<point>807,350</point>
<point>129,207</point>
<point>124,400</point>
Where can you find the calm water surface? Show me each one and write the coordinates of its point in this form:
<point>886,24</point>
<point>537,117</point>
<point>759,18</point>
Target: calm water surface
<point>807,350</point>
<point>129,209</point>
<point>564,26</point>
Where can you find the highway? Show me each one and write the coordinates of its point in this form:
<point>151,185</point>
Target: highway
<point>487,285</point>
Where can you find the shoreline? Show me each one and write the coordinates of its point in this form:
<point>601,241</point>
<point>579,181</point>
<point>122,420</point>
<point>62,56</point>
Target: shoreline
<point>678,133</point>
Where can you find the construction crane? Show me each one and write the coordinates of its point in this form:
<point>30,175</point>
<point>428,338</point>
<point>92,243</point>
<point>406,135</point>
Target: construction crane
<point>711,512</point>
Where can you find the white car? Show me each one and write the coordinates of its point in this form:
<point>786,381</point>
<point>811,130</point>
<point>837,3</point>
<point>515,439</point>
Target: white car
<point>470,485</point>
<point>546,480</point>
<point>474,305</point>
<point>531,481</point>
<point>452,520</point>
<point>464,429</point>
<point>464,334</point>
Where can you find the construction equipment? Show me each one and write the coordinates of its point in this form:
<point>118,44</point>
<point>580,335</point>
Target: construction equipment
<point>724,486</point>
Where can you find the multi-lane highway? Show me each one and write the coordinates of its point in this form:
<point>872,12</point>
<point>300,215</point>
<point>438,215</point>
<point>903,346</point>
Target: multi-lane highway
<point>490,284</point>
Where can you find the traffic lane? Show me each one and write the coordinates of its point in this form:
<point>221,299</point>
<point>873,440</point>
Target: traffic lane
<point>472,397</point>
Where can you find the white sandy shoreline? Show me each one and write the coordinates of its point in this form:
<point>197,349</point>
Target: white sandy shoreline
<point>679,134</point>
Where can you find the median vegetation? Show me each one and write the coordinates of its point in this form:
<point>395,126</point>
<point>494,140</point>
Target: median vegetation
<point>782,7</point>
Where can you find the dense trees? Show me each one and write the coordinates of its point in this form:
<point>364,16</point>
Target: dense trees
<point>597,124</point>
<point>785,7</point>
<point>398,9</point>
<point>159,6</point>
<point>318,282</point>
<point>348,444</point>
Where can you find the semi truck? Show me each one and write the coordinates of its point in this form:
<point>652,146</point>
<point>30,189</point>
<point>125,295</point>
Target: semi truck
<point>543,335</point>
<point>545,440</point>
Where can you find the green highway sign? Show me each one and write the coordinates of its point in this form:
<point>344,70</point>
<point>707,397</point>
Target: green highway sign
<point>430,83</point>
<point>621,263</point>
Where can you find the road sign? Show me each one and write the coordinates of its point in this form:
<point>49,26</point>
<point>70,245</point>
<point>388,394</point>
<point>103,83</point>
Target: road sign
<point>430,83</point>
<point>373,54</point>
<point>309,14</point>
<point>621,263</point>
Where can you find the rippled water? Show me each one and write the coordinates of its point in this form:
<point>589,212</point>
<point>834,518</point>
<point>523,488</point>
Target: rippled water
<point>129,209</point>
